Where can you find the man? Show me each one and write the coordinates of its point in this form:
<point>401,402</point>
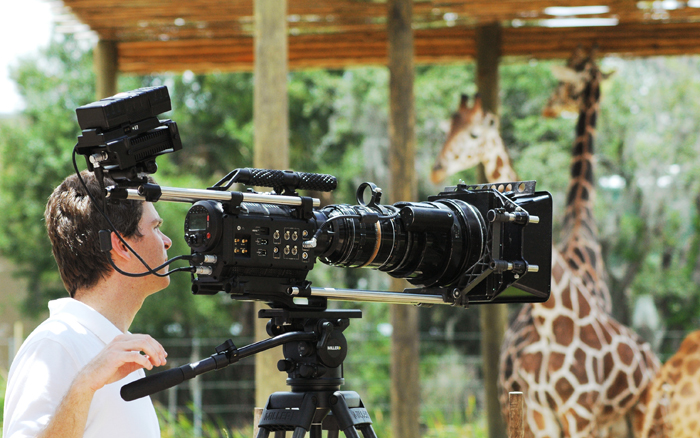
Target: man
<point>65,380</point>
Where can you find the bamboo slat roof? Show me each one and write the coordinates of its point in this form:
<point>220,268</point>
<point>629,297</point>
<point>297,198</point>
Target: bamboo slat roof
<point>207,35</point>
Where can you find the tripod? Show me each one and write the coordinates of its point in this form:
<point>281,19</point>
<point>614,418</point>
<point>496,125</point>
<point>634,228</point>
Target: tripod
<point>315,373</point>
<point>314,349</point>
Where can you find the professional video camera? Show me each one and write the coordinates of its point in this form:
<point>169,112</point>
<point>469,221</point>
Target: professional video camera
<point>466,245</point>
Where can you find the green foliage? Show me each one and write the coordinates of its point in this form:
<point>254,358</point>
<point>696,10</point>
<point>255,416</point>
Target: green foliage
<point>180,426</point>
<point>437,427</point>
<point>351,142</point>
<point>648,145</point>
<point>215,116</point>
<point>449,383</point>
<point>367,367</point>
<point>35,150</point>
<point>3,384</point>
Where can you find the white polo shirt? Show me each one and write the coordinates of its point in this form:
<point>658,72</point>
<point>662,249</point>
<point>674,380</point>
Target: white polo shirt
<point>46,365</point>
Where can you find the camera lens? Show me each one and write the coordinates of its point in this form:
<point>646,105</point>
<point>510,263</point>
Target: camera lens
<point>427,243</point>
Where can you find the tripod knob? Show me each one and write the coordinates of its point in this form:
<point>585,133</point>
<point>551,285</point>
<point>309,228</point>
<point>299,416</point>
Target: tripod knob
<point>306,371</point>
<point>285,365</point>
<point>305,349</point>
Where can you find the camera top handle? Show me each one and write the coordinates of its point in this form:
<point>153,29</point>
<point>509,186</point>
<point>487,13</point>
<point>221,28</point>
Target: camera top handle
<point>285,182</point>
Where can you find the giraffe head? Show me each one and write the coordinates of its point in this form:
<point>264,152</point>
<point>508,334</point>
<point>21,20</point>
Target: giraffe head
<point>466,141</point>
<point>581,70</point>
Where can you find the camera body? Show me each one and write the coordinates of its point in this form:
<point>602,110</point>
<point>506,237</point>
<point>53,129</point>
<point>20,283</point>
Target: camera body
<point>453,246</point>
<point>466,245</point>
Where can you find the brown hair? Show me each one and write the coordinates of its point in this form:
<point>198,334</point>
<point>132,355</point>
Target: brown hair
<point>73,223</point>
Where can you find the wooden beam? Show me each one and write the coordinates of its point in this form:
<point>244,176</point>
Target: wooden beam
<point>271,149</point>
<point>405,351</point>
<point>135,19</point>
<point>454,44</point>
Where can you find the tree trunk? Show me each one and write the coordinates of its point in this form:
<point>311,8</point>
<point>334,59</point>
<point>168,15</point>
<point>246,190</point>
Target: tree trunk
<point>405,384</point>
<point>271,124</point>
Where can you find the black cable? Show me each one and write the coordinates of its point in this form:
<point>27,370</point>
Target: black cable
<point>149,271</point>
<point>158,268</point>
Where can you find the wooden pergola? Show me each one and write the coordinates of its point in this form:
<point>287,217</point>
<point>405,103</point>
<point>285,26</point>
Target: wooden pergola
<point>209,35</point>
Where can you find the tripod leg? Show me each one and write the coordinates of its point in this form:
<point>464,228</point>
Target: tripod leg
<point>347,420</point>
<point>299,432</point>
<point>262,433</point>
<point>280,434</point>
<point>351,432</point>
<point>368,431</point>
<point>316,431</point>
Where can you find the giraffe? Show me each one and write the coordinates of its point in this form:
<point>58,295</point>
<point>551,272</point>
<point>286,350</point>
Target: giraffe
<point>676,390</point>
<point>473,138</point>
<point>579,368</point>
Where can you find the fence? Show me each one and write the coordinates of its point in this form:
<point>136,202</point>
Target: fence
<point>450,379</point>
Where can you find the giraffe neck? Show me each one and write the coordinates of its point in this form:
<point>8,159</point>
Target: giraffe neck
<point>581,248</point>
<point>580,195</point>
<point>498,166</point>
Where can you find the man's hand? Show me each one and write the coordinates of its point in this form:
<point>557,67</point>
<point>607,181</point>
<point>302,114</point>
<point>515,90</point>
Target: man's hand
<point>120,358</point>
<point>117,360</point>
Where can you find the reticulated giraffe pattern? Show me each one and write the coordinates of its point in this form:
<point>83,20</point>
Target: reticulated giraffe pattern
<point>580,370</point>
<point>675,393</point>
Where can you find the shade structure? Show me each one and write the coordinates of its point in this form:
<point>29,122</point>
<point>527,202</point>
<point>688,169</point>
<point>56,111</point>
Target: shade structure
<point>211,35</point>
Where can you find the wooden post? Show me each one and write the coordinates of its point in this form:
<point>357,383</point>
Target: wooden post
<point>271,107</point>
<point>106,66</point>
<point>488,54</point>
<point>515,415</point>
<point>405,355</point>
<point>257,414</point>
<point>271,125</point>
<point>493,317</point>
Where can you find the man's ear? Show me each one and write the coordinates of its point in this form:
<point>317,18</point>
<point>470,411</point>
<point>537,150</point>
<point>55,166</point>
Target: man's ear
<point>119,250</point>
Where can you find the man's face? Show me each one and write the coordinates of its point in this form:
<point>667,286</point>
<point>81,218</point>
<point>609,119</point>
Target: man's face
<point>152,246</point>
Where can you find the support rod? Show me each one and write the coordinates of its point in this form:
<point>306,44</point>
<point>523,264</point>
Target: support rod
<point>377,296</point>
<point>176,194</point>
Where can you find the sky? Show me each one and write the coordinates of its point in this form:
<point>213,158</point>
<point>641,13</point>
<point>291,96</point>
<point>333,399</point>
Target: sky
<point>25,26</point>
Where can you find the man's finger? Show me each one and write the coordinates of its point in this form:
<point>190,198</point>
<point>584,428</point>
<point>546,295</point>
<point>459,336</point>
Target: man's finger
<point>146,344</point>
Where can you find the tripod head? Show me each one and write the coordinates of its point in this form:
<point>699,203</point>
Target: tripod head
<point>312,365</point>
